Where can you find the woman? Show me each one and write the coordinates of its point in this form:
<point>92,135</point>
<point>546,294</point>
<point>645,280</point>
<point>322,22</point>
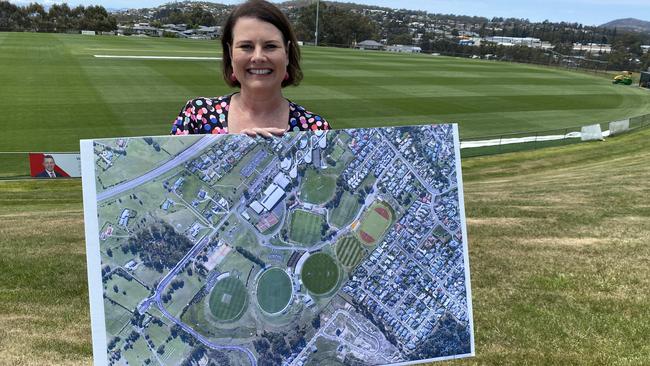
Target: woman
<point>260,56</point>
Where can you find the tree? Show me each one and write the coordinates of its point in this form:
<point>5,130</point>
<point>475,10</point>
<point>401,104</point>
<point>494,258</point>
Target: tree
<point>316,322</point>
<point>61,18</point>
<point>261,345</point>
<point>402,38</point>
<point>337,25</point>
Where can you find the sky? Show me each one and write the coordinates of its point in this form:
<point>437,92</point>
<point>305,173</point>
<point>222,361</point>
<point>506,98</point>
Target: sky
<point>588,12</point>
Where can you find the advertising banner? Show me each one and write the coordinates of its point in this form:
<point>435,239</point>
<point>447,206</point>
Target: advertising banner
<point>54,165</point>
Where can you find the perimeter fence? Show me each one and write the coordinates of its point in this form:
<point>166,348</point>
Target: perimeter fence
<point>531,140</point>
<point>15,165</point>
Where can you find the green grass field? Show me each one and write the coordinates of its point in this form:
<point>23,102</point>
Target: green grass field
<point>558,237</point>
<point>273,290</point>
<point>228,299</point>
<point>349,251</point>
<point>317,187</point>
<point>59,92</point>
<point>347,209</point>
<point>373,225</point>
<point>319,273</point>
<point>128,292</point>
<point>305,227</point>
<point>558,249</point>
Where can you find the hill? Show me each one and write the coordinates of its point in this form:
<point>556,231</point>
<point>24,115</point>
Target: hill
<point>630,24</point>
<point>558,251</point>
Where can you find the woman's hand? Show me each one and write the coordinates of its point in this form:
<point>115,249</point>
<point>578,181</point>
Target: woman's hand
<point>266,132</point>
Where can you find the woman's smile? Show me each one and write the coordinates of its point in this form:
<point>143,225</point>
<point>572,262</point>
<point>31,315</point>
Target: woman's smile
<point>259,55</point>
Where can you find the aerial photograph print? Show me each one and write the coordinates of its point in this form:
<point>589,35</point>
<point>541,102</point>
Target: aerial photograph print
<point>324,183</point>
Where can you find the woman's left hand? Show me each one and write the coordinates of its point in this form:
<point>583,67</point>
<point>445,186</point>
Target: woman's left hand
<point>266,132</point>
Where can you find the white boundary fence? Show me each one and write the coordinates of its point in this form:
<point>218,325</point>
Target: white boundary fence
<point>498,144</point>
<point>15,165</point>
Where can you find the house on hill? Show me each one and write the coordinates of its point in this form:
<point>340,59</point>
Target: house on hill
<point>370,45</point>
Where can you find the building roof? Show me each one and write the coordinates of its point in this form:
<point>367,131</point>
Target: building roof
<point>272,187</point>
<point>270,200</point>
<point>281,180</point>
<point>369,42</point>
<point>257,207</point>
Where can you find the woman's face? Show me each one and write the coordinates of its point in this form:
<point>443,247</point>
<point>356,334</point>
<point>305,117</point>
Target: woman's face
<point>258,53</point>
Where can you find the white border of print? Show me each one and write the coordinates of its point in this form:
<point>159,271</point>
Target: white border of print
<point>468,289</point>
<point>93,254</point>
<point>94,262</point>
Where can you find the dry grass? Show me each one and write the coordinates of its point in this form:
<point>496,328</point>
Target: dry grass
<point>558,251</point>
<point>559,254</point>
<point>44,317</point>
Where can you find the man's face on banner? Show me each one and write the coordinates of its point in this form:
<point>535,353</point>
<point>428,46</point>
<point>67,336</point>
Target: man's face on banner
<point>48,163</point>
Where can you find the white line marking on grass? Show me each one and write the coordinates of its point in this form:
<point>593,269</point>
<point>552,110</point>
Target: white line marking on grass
<point>160,57</point>
<point>150,50</point>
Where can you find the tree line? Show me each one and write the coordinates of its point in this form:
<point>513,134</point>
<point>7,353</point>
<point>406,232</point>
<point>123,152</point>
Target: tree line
<point>59,18</point>
<point>344,25</point>
<point>337,26</point>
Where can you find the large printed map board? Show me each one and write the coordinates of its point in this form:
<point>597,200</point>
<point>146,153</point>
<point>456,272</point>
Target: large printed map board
<point>345,247</point>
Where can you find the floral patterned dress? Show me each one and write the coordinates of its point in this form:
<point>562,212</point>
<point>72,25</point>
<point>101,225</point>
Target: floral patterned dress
<point>210,116</point>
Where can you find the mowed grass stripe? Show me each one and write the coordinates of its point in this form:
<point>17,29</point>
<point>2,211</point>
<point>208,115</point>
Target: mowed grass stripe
<point>274,290</point>
<point>320,273</point>
<point>346,210</point>
<point>305,227</point>
<point>65,94</point>
<point>443,106</point>
<point>228,299</point>
<point>349,251</point>
<point>348,77</point>
<point>76,109</point>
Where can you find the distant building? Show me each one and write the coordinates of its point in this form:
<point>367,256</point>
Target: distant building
<point>309,301</point>
<point>272,195</point>
<point>131,265</point>
<point>194,230</point>
<point>179,183</point>
<point>370,45</point>
<point>168,203</point>
<point>403,49</point>
<point>223,203</point>
<point>464,33</point>
<point>257,207</point>
<point>124,217</point>
<point>143,29</point>
<point>175,27</point>
<point>202,33</point>
<point>592,47</point>
<point>210,32</point>
<point>515,41</point>
<point>285,164</point>
<point>281,180</point>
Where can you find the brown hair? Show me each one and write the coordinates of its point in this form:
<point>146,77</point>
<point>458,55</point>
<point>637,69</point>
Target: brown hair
<point>266,12</point>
